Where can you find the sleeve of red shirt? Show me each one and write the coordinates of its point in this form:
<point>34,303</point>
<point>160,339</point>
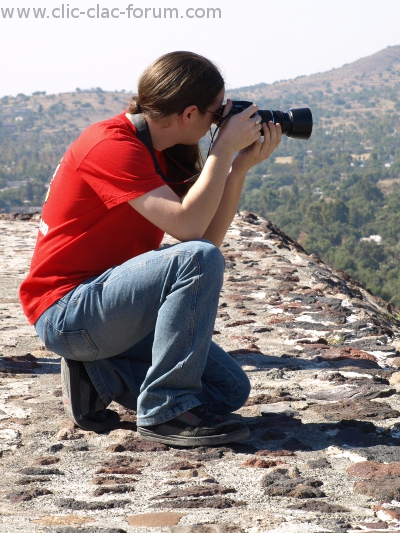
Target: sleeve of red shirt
<point>118,169</point>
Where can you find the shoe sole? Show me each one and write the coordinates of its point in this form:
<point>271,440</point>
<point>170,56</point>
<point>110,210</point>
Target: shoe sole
<point>213,440</point>
<point>70,382</point>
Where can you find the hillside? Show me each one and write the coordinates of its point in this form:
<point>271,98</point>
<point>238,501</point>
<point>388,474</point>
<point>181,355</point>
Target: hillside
<point>330,192</point>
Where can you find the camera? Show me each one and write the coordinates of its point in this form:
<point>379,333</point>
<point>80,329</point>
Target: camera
<point>296,123</point>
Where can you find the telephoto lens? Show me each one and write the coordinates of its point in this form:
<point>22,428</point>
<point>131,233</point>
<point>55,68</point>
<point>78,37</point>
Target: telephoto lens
<point>296,123</point>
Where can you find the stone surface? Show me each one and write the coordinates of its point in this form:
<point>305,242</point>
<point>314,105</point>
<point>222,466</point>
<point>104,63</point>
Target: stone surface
<point>359,410</point>
<point>182,465</point>
<point>280,483</point>
<point>195,492</point>
<point>137,445</point>
<point>370,469</point>
<point>395,379</point>
<point>154,519</point>
<point>207,528</point>
<point>68,520</point>
<point>197,503</point>
<point>383,489</point>
<point>260,463</point>
<point>319,507</point>
<point>279,409</point>
<point>316,347</point>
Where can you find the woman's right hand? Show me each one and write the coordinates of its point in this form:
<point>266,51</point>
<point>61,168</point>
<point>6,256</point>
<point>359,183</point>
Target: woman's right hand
<point>238,131</point>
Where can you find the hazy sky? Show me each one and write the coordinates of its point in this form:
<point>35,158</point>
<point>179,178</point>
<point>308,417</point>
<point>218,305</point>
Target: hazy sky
<point>252,41</point>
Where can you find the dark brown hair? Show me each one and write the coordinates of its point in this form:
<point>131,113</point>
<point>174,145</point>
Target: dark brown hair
<point>170,85</point>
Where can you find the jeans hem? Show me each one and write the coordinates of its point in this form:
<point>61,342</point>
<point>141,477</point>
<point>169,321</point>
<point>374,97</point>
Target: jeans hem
<point>97,383</point>
<point>168,415</point>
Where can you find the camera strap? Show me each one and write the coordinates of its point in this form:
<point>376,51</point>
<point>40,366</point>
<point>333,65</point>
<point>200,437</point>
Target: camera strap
<point>144,136</point>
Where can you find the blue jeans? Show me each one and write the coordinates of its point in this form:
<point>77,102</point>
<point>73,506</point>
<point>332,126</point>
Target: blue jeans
<point>143,330</point>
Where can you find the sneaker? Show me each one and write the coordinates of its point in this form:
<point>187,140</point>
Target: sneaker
<point>197,427</point>
<point>81,400</point>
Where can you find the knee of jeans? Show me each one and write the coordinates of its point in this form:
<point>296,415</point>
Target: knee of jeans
<point>242,394</point>
<point>211,255</point>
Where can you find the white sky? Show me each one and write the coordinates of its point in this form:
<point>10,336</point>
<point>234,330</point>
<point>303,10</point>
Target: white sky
<point>254,41</point>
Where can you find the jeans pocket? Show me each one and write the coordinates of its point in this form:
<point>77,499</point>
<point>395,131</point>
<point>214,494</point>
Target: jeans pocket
<point>70,344</point>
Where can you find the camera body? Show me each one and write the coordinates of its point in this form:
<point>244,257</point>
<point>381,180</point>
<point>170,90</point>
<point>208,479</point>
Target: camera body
<point>296,123</point>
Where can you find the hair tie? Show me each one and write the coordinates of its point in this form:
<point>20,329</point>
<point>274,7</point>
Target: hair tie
<point>138,107</point>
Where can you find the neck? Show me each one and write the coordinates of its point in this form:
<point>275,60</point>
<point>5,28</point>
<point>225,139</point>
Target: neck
<point>163,134</point>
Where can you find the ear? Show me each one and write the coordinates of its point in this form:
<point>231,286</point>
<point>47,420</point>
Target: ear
<point>189,113</point>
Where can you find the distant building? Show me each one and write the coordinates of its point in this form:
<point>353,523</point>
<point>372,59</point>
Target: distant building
<point>317,190</point>
<point>373,238</point>
<point>16,184</point>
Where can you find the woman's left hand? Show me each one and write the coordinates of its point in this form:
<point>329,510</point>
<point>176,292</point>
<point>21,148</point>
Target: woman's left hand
<point>259,150</point>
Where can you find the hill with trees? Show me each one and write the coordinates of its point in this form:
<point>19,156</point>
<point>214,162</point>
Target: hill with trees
<point>331,193</point>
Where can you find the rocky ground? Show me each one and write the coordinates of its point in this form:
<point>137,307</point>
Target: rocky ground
<point>323,455</point>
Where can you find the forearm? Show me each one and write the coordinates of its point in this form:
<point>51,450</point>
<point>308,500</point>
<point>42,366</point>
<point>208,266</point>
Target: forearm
<point>227,208</point>
<point>188,218</point>
<point>204,197</point>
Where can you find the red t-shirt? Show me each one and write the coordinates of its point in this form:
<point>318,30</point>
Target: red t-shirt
<point>87,226</point>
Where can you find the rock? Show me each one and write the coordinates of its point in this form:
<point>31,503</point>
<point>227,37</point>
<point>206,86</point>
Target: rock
<point>207,528</point>
<point>154,519</point>
<point>239,323</point>
<point>319,507</point>
<point>356,409</point>
<point>113,489</point>
<point>76,505</point>
<point>125,470</point>
<point>190,474</point>
<point>280,409</point>
<point>183,465</point>
<point>260,463</point>
<point>125,461</point>
<point>32,479</point>
<point>262,399</point>
<point>370,469</point>
<point>353,436</point>
<point>69,434</point>
<point>278,483</point>
<point>36,471</point>
<point>294,444</point>
<point>304,491</point>
<point>194,492</point>
<point>203,454</point>
<point>318,463</point>
<point>385,513</point>
<point>341,392</point>
<point>277,422</point>
<point>137,445</point>
<point>395,379</point>
<point>90,529</point>
<point>384,488</point>
<point>62,520</point>
<point>26,496</point>
<point>19,364</point>
<point>46,460</point>
<point>375,525</point>
<point>112,480</point>
<point>340,353</point>
<point>55,448</point>
<point>274,434</point>
<point>381,453</point>
<point>276,453</point>
<point>374,345</point>
<point>206,503</point>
